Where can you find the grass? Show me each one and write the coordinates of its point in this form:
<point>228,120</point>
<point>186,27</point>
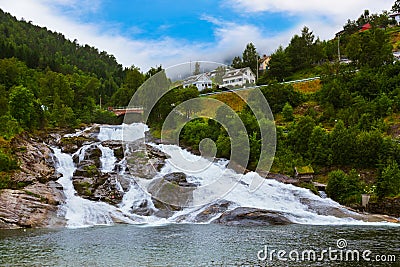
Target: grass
<point>394,33</point>
<point>308,87</point>
<point>304,169</point>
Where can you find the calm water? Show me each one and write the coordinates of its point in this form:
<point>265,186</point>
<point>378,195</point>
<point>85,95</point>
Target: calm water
<point>190,245</point>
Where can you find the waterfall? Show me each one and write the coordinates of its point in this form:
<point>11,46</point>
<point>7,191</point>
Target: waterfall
<point>215,183</point>
<point>124,132</point>
<point>107,159</point>
<point>80,212</point>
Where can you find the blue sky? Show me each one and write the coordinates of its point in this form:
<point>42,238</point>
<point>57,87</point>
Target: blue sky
<point>149,33</point>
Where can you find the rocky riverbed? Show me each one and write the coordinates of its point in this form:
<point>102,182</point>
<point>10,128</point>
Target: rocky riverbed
<point>103,174</point>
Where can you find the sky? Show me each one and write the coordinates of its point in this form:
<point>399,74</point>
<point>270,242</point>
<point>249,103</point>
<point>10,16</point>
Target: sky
<point>168,32</point>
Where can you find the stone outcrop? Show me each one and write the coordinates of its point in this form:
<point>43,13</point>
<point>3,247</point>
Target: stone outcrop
<point>212,211</point>
<point>34,200</point>
<point>252,217</point>
<point>144,161</point>
<point>172,192</point>
<point>33,206</point>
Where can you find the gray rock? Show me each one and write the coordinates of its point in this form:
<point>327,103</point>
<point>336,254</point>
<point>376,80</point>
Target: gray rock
<point>143,160</point>
<point>34,196</point>
<point>178,178</point>
<point>211,211</point>
<point>252,217</point>
<point>170,196</point>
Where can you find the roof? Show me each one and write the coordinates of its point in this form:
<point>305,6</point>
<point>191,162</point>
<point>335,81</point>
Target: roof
<point>304,169</point>
<point>236,72</point>
<point>366,27</point>
<point>264,58</point>
<point>197,78</point>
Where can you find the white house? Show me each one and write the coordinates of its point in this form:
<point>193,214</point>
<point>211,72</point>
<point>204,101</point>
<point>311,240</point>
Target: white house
<point>396,16</point>
<point>238,77</point>
<point>201,81</point>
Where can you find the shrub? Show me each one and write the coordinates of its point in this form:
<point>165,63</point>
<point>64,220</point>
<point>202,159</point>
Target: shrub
<point>344,188</point>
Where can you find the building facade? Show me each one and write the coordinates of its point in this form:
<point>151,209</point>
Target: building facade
<point>201,81</point>
<point>238,77</point>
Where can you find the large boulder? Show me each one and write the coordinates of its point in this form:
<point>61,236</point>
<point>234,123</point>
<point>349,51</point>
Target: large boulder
<point>33,196</point>
<point>212,211</point>
<point>172,192</point>
<point>34,206</point>
<point>71,144</point>
<point>252,217</point>
<point>36,161</point>
<point>143,160</point>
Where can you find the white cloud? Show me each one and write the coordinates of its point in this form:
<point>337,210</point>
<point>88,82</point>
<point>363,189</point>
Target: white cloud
<point>342,8</point>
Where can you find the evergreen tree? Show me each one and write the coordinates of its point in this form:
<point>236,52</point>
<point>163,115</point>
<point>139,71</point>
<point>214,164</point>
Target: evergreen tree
<point>396,6</point>
<point>250,58</point>
<point>287,112</point>
<point>389,181</point>
<point>237,63</point>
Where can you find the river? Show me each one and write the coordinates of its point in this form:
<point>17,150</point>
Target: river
<point>192,245</point>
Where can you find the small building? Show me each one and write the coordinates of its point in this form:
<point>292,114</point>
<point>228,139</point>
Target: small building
<point>396,17</point>
<point>201,81</point>
<point>304,173</point>
<point>238,77</point>
<point>366,27</point>
<point>264,63</point>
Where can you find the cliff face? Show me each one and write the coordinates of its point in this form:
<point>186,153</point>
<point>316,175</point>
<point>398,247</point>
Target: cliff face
<point>34,202</point>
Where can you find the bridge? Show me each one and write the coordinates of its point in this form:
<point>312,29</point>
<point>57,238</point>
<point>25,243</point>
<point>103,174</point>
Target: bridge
<point>119,111</point>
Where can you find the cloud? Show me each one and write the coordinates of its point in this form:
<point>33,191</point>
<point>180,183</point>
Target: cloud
<point>145,53</point>
<point>342,8</point>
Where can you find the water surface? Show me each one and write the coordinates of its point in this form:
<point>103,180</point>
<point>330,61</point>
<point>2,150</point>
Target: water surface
<point>189,245</point>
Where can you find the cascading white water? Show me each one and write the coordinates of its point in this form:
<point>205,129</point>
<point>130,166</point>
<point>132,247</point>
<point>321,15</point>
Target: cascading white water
<point>107,159</point>
<point>80,212</point>
<point>124,132</point>
<point>213,178</point>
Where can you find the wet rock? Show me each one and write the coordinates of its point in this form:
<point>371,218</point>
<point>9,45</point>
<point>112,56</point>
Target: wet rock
<point>33,206</point>
<point>252,217</point>
<point>91,153</point>
<point>36,161</point>
<point>143,209</point>
<point>117,147</point>
<point>212,211</point>
<point>71,144</point>
<point>178,178</point>
<point>108,190</point>
<point>169,196</point>
<point>88,168</point>
<point>33,197</point>
<point>144,161</point>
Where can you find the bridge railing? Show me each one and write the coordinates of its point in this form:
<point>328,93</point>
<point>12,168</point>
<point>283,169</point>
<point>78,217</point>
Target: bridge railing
<point>125,108</point>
